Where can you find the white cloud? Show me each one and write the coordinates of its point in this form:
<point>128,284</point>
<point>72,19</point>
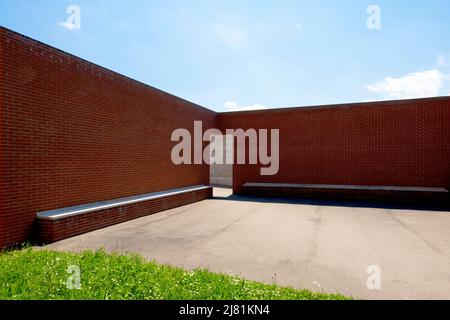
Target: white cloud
<point>231,35</point>
<point>67,25</point>
<point>413,85</point>
<point>369,100</point>
<point>233,106</point>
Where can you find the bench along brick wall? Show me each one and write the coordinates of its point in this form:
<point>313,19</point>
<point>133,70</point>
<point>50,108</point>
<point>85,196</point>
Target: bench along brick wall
<point>51,230</point>
<point>415,197</point>
<point>74,133</point>
<point>391,143</point>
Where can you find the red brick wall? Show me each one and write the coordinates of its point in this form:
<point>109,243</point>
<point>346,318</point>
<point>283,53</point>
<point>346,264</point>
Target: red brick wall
<point>3,221</point>
<point>73,133</point>
<point>393,143</point>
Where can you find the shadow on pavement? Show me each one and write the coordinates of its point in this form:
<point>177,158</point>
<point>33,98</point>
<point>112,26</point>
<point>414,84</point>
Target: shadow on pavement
<point>339,203</point>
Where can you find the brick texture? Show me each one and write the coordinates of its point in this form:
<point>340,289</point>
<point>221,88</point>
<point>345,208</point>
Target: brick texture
<point>392,143</point>
<point>74,133</point>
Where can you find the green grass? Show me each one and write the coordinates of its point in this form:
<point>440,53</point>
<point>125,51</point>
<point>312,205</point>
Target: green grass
<point>38,274</point>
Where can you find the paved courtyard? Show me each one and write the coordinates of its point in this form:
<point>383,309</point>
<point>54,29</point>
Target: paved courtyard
<point>305,245</point>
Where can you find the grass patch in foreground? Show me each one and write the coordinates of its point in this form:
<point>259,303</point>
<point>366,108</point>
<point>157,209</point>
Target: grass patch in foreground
<point>40,274</point>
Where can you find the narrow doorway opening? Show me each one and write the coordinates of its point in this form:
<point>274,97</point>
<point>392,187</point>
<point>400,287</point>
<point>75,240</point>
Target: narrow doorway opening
<point>221,168</point>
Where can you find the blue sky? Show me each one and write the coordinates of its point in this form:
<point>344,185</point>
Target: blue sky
<point>238,54</point>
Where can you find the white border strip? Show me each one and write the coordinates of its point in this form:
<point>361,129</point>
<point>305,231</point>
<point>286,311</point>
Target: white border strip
<point>345,187</point>
<point>103,205</point>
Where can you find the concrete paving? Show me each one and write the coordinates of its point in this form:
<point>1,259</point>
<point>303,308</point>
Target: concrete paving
<point>321,247</point>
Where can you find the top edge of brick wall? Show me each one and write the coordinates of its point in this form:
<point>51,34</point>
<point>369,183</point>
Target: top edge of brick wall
<point>383,103</point>
<point>96,69</point>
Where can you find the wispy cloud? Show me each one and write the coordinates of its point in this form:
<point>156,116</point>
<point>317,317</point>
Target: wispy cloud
<point>233,106</point>
<point>297,26</point>
<point>232,36</point>
<point>294,30</point>
<point>442,61</point>
<point>413,85</point>
<point>67,25</point>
